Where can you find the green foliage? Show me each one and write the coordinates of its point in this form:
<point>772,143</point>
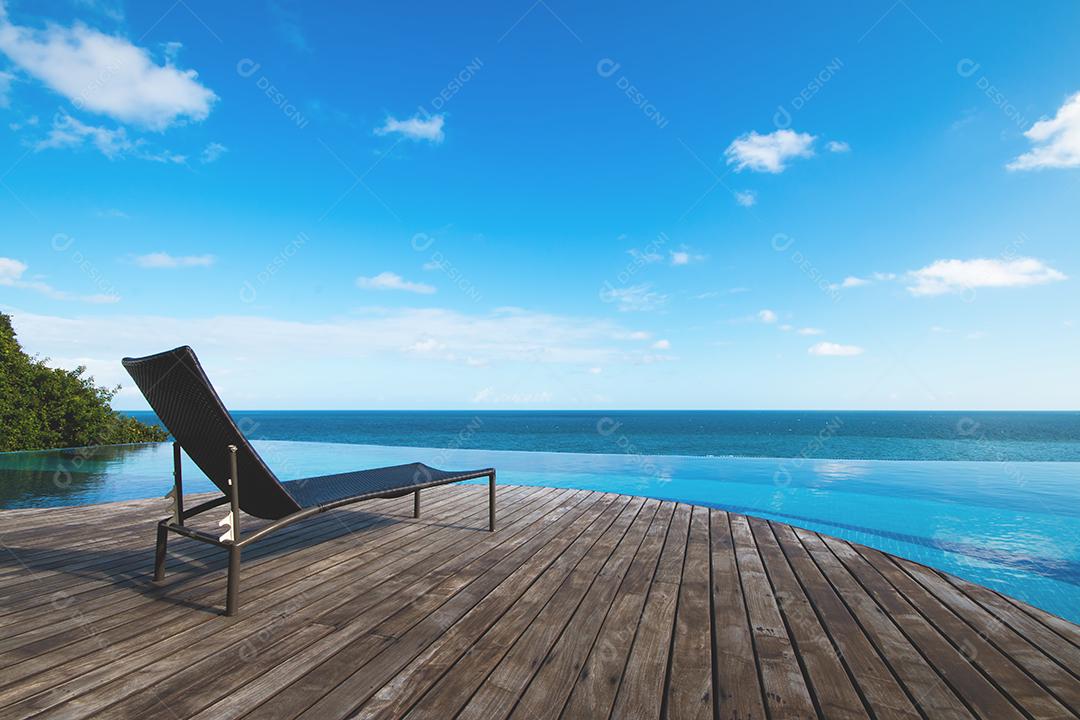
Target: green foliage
<point>43,407</point>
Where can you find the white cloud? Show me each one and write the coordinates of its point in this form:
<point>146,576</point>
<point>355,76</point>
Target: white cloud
<point>491,396</point>
<point>766,316</point>
<point>414,128</point>
<point>212,152</point>
<point>67,132</point>
<point>810,331</point>
<point>172,50</point>
<point>1056,139</point>
<point>31,121</point>
<point>661,345</point>
<point>427,345</point>
<point>111,9</point>
<point>746,198</point>
<point>955,276</point>
<point>834,349</point>
<point>106,74</point>
<point>684,256</point>
<point>111,213</point>
<point>595,370</point>
<point>419,334</point>
<point>634,298</point>
<point>849,282</point>
<point>786,327</point>
<point>163,260</point>
<point>768,153</point>
<point>10,270</point>
<point>5,88</point>
<point>11,275</point>
<point>393,281</point>
<point>837,146</point>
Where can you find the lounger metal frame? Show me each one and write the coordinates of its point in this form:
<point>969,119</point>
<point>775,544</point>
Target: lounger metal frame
<point>236,545</point>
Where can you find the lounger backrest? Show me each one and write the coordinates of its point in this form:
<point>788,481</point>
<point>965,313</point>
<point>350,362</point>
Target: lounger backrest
<point>178,390</point>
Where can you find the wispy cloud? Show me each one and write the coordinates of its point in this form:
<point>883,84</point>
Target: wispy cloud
<point>68,132</point>
<point>393,281</point>
<point>767,316</point>
<point>112,9</point>
<point>163,260</point>
<point>829,349</point>
<point>12,273</point>
<point>633,298</point>
<point>684,256</point>
<point>661,345</point>
<point>1056,139</point>
<point>212,152</point>
<point>768,153</point>
<point>956,276</point>
<point>746,198</point>
<point>106,74</point>
<point>849,282</point>
<point>427,334</point>
<point>288,26</point>
<point>5,88</point>
<point>837,146</point>
<point>810,331</point>
<point>414,128</point>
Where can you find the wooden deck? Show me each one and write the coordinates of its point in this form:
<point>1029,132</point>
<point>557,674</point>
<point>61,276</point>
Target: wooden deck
<point>582,605</point>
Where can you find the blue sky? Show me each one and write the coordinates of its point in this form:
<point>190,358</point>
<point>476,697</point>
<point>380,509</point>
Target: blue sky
<point>543,205</point>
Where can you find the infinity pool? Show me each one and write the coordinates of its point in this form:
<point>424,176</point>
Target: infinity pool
<point>1014,527</point>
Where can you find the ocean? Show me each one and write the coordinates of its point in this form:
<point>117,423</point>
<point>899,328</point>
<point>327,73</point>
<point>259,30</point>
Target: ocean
<point>840,435</point>
<point>991,497</point>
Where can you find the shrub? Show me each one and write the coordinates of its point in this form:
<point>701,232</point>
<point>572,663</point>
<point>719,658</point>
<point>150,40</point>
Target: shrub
<point>43,407</point>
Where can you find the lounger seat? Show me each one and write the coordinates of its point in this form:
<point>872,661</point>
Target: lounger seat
<point>386,482</point>
<point>181,395</point>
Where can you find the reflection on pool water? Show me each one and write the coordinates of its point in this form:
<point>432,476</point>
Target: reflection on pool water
<point>1014,527</point>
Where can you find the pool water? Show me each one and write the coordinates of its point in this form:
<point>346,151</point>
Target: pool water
<point>1014,527</point>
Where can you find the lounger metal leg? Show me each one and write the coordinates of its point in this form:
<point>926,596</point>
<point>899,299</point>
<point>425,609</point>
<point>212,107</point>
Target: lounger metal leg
<point>491,502</point>
<point>159,552</point>
<point>416,504</point>
<point>232,597</point>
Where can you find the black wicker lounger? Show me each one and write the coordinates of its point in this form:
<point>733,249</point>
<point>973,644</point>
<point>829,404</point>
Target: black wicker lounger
<point>180,393</point>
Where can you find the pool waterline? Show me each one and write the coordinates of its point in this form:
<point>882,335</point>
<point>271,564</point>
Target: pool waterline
<point>1013,526</point>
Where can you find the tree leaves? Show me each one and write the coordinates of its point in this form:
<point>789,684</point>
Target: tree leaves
<point>43,407</point>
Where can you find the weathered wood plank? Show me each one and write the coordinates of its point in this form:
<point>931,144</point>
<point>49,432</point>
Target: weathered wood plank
<point>978,692</point>
<point>582,605</point>
<point>922,682</point>
<point>689,689</point>
<point>641,692</point>
<point>786,693</point>
<point>879,686</point>
<point>1024,692</point>
<point>735,674</point>
<point>827,676</point>
<point>594,692</point>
